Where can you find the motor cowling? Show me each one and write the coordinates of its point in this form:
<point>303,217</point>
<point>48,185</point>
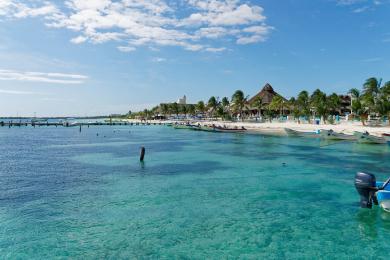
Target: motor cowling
<point>365,184</point>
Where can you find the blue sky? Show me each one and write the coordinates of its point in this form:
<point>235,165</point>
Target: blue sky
<point>91,57</point>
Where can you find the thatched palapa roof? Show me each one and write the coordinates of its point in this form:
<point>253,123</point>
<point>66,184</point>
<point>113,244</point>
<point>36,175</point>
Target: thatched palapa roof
<point>266,94</point>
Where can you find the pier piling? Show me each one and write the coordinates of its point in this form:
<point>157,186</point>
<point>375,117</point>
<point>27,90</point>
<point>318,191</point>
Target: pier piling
<point>142,154</point>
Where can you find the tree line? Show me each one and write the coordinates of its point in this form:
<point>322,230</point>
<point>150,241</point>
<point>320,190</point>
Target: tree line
<point>373,99</point>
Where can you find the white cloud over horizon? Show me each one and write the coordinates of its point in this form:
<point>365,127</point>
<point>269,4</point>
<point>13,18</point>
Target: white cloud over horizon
<point>192,24</point>
<point>45,77</point>
<point>16,92</point>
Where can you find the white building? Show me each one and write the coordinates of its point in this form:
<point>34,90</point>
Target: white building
<point>182,101</point>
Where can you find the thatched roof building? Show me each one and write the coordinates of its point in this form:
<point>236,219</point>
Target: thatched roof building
<point>266,94</point>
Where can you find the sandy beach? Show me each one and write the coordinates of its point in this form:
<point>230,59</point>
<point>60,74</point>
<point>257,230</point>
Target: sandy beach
<point>277,128</point>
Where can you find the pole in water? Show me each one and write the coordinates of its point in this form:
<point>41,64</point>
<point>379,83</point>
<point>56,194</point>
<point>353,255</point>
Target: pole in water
<point>80,128</point>
<point>142,154</point>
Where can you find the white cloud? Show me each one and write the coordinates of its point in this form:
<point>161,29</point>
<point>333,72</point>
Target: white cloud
<point>126,48</point>
<point>16,92</point>
<point>349,2</point>
<point>158,59</point>
<point>79,39</point>
<point>361,9</point>
<point>149,22</point>
<point>55,78</point>
<point>215,49</point>
<point>361,6</point>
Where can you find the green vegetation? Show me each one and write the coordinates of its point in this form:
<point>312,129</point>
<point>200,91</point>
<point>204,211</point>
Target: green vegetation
<point>373,100</point>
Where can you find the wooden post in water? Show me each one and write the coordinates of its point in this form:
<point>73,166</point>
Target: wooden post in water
<point>142,155</point>
<point>80,128</point>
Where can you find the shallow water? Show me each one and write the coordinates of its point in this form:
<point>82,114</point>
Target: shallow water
<point>198,195</point>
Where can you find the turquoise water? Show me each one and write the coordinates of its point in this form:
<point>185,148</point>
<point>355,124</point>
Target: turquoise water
<point>198,195</point>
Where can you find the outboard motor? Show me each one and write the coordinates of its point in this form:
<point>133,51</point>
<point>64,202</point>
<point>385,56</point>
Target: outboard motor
<point>365,184</point>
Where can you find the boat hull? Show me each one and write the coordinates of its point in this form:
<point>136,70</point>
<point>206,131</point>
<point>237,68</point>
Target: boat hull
<point>369,139</point>
<point>190,127</point>
<point>384,199</point>
<point>221,130</point>
<point>291,132</point>
<point>383,196</point>
<point>331,135</point>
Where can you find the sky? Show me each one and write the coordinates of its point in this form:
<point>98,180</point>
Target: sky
<point>99,57</point>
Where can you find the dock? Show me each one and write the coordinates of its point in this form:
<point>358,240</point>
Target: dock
<point>74,124</point>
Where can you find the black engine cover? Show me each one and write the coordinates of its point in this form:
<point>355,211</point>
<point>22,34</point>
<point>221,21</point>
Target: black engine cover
<point>365,184</point>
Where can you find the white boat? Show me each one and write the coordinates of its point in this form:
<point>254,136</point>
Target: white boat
<point>332,135</point>
<point>292,132</point>
<point>369,139</point>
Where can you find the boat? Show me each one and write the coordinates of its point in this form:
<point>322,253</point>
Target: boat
<point>292,132</point>
<point>230,130</point>
<point>70,124</point>
<point>207,128</point>
<point>369,139</point>
<point>372,191</point>
<point>332,135</point>
<point>186,126</point>
<point>220,129</point>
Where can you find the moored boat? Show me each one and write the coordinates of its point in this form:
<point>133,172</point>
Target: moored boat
<point>220,129</point>
<point>372,192</point>
<point>230,130</point>
<point>368,138</point>
<point>332,135</point>
<point>186,126</point>
<point>292,132</point>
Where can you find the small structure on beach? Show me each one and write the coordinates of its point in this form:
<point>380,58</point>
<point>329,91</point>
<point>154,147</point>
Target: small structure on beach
<point>266,95</point>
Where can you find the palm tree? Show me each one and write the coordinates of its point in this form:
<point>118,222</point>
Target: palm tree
<point>212,104</point>
<point>164,109</point>
<point>259,105</point>
<point>175,108</point>
<point>371,93</point>
<point>225,102</point>
<point>333,103</point>
<point>146,114</point>
<point>191,109</point>
<point>357,107</point>
<point>303,102</point>
<point>293,107</point>
<point>183,110</point>
<point>239,101</point>
<point>372,86</point>
<point>277,104</point>
<point>226,106</point>
<point>383,100</point>
<point>318,101</point>
<point>200,107</point>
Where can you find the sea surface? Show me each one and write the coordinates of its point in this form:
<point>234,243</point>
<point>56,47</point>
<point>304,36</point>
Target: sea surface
<point>66,194</point>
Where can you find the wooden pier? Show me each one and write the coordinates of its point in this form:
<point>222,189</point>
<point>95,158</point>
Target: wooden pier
<point>75,124</point>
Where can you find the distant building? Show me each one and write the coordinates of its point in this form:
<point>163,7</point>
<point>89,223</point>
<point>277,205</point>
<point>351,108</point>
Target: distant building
<point>182,101</point>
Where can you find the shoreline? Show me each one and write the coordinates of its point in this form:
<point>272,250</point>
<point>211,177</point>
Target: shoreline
<point>277,128</point>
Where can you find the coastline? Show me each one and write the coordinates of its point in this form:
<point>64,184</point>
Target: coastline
<point>277,128</point>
